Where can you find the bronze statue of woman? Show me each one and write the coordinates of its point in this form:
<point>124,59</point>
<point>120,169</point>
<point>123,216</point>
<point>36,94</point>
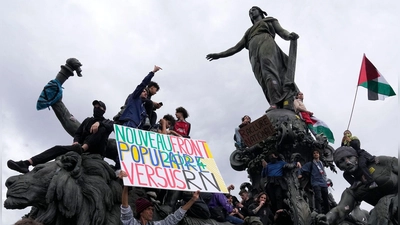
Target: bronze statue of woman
<point>268,61</point>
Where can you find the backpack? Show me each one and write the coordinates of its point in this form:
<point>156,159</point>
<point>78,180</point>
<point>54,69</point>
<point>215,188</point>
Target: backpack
<point>51,94</point>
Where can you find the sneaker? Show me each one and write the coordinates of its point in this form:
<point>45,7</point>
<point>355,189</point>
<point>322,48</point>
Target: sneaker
<point>19,166</point>
<point>147,125</point>
<point>373,185</point>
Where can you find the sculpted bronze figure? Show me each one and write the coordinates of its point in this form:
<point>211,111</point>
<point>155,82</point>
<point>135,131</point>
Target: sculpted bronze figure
<point>268,61</point>
<point>384,172</point>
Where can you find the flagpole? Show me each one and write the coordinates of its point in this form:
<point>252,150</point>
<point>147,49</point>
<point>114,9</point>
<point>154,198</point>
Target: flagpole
<point>352,109</point>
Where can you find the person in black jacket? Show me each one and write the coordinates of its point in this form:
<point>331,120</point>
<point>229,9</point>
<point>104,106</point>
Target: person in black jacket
<point>91,136</point>
<point>261,208</point>
<point>364,159</point>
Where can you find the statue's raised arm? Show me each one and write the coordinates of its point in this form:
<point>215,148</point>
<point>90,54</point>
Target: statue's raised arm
<point>270,64</point>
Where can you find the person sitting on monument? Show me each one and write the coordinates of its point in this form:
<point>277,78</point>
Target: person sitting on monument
<point>164,126</point>
<point>364,157</point>
<point>261,208</point>
<point>246,202</point>
<point>182,127</point>
<point>276,185</point>
<point>91,136</point>
<point>236,211</point>
<point>239,143</point>
<point>145,209</point>
<point>151,106</point>
<point>301,109</point>
<point>221,209</point>
<point>133,113</point>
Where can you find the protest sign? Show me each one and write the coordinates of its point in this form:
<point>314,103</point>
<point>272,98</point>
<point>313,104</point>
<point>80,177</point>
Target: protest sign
<point>168,162</point>
<point>257,131</point>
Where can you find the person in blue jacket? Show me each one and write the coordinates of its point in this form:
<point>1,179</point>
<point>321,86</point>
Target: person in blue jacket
<point>318,182</point>
<point>276,185</point>
<point>134,113</point>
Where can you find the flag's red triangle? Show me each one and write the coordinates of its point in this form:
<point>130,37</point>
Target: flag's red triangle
<point>368,71</point>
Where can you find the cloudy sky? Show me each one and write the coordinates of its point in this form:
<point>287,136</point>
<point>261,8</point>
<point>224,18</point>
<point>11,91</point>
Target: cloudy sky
<point>118,43</point>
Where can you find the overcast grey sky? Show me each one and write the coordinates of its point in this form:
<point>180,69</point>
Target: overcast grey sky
<point>119,42</point>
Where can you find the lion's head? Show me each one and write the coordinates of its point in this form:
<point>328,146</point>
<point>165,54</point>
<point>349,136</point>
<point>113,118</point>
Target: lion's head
<point>73,189</point>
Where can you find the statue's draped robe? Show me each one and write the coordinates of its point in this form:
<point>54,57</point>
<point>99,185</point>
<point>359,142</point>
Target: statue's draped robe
<point>268,61</point>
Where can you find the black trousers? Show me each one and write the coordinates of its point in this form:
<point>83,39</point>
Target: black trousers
<point>275,193</point>
<point>54,152</point>
<point>96,143</point>
<point>321,199</point>
<point>148,105</point>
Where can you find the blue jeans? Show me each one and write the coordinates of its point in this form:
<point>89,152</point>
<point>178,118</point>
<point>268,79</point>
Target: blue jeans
<point>234,219</point>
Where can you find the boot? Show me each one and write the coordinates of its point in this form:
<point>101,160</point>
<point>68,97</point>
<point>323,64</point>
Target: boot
<point>20,166</point>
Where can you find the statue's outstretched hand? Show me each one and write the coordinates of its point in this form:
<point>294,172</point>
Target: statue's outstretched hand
<point>293,36</point>
<point>212,56</point>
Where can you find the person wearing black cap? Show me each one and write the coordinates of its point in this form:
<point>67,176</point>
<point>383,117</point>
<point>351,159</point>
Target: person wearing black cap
<point>91,136</point>
<point>145,209</point>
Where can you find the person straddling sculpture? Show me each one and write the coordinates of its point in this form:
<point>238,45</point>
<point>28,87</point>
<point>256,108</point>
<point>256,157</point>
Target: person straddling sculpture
<point>261,208</point>
<point>133,113</point>
<point>145,209</point>
<point>268,61</point>
<point>91,136</point>
<point>301,109</point>
<point>318,182</point>
<point>237,137</point>
<point>150,105</point>
<point>276,184</point>
<point>385,174</point>
<point>362,175</point>
<point>182,127</point>
<point>220,209</point>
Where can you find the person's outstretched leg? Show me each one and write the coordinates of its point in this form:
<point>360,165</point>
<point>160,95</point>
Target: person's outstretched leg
<point>49,154</point>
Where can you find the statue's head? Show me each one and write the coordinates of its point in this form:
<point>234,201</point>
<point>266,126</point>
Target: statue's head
<point>346,159</point>
<point>256,11</point>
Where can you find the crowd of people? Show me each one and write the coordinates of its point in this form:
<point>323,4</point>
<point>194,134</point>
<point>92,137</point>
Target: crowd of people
<point>275,186</point>
<point>137,112</point>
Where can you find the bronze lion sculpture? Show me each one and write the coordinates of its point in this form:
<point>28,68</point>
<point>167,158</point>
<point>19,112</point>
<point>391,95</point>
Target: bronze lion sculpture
<point>74,189</point>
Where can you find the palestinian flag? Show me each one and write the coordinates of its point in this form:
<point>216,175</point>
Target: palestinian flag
<point>319,127</point>
<point>371,79</point>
